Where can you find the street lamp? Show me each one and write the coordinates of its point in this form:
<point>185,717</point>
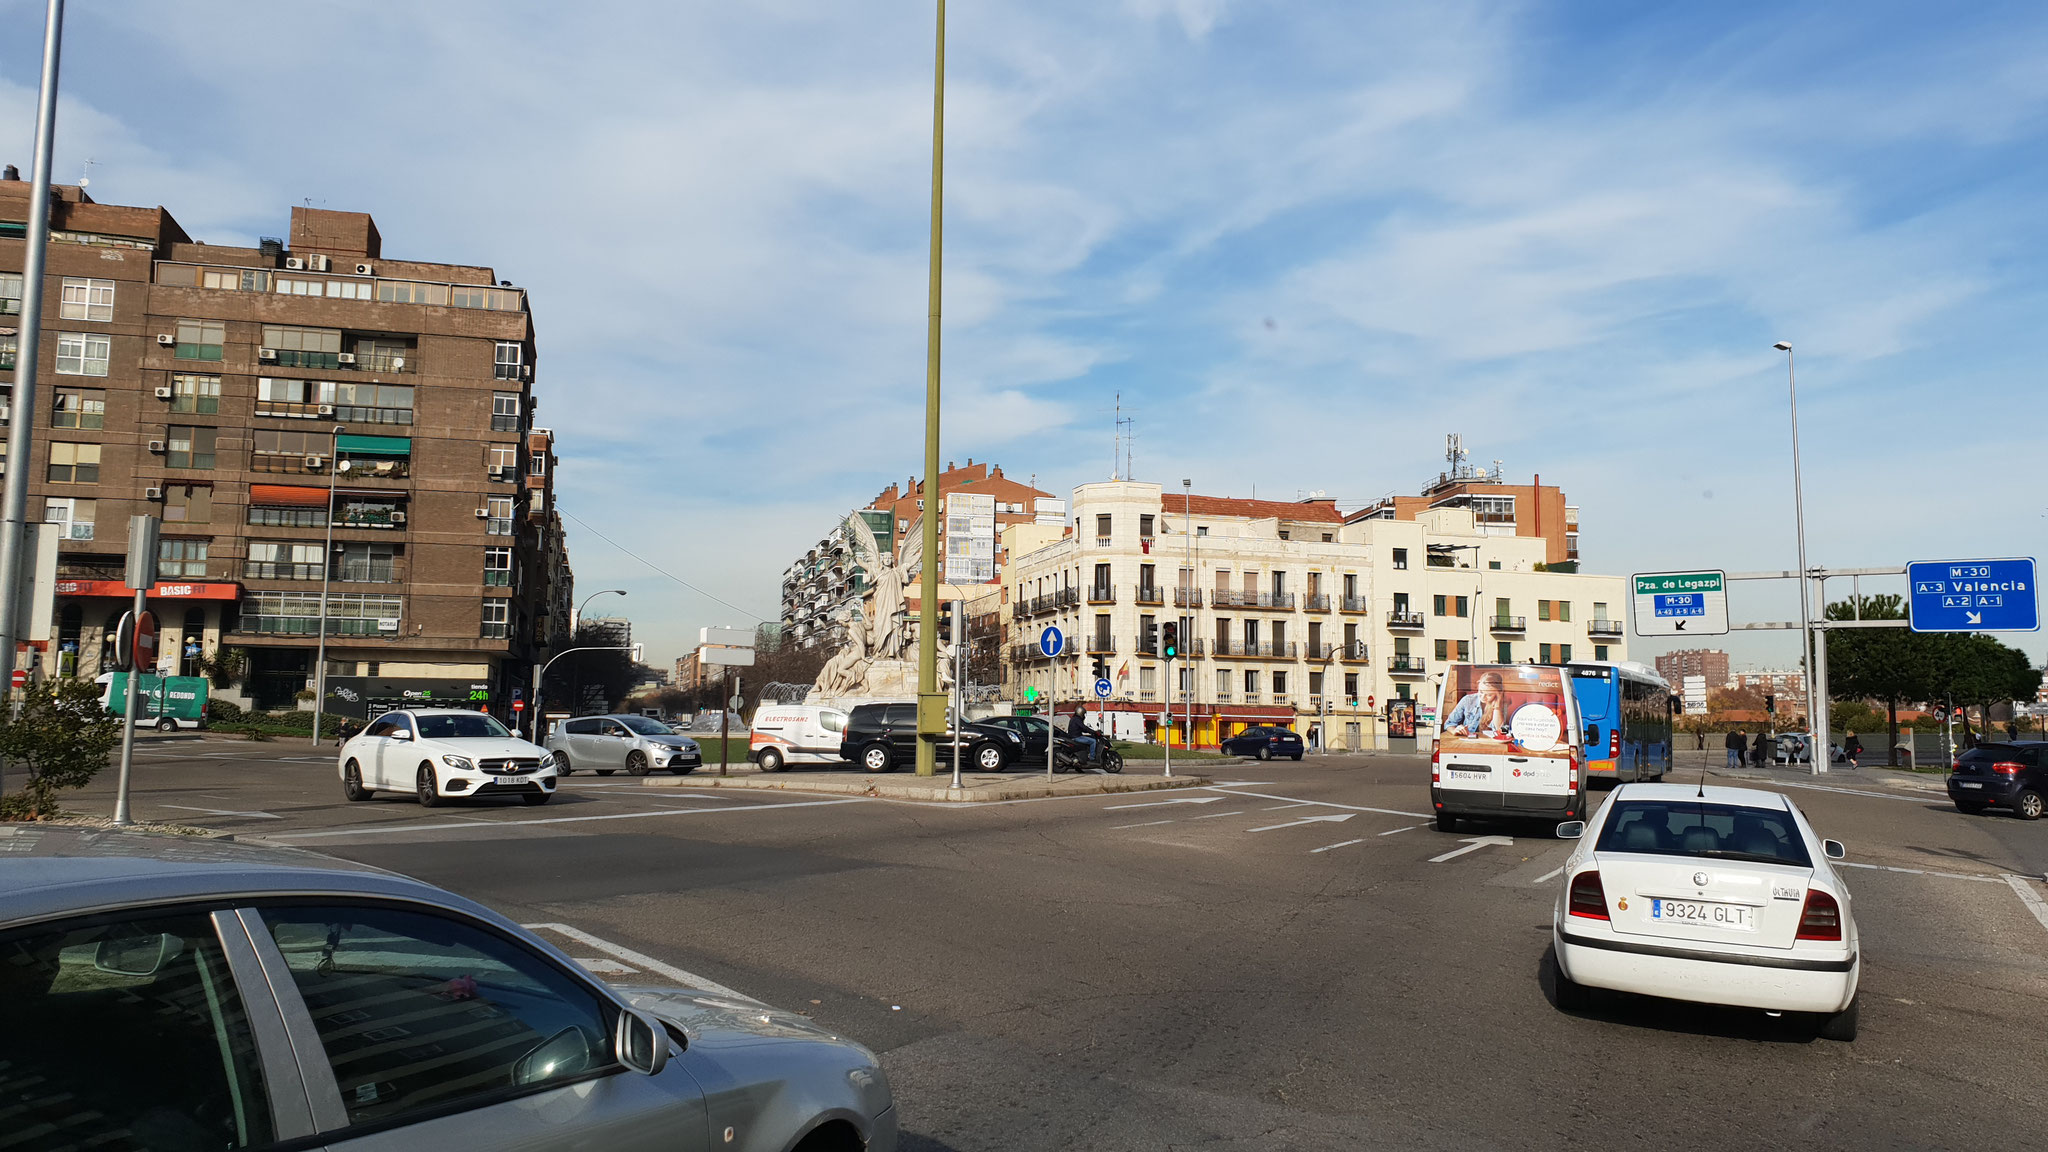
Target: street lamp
<point>326,563</point>
<point>1816,748</point>
<point>1187,696</point>
<point>574,625</point>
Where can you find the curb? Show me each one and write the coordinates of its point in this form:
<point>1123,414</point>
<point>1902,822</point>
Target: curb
<point>877,787</point>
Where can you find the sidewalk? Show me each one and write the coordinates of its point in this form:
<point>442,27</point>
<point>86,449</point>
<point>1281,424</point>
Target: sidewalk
<point>975,786</point>
<point>1689,761</point>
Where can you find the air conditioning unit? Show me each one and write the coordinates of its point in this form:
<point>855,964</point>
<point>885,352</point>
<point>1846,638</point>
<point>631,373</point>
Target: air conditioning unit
<point>295,263</point>
<point>163,393</point>
<point>345,358</point>
<point>387,624</point>
<point>398,517</point>
<point>156,447</point>
<point>526,371</point>
<point>316,461</point>
<point>327,409</point>
<point>152,493</point>
<point>366,269</point>
<point>500,470</point>
<point>165,339</point>
<point>269,354</point>
<point>483,513</point>
<point>316,263</point>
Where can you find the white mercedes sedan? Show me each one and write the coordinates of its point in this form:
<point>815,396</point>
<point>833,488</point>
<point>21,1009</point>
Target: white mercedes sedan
<point>1713,895</point>
<point>439,753</point>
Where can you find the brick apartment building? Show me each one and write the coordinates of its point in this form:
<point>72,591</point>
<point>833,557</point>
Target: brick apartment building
<point>1498,508</point>
<point>1709,663</point>
<point>240,393</point>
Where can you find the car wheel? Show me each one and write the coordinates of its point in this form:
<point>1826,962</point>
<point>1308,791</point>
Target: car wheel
<point>1969,809</point>
<point>875,758</point>
<point>2027,804</point>
<point>428,787</point>
<point>1840,1025</point>
<point>770,760</point>
<point>636,763</point>
<point>167,725</point>
<point>1572,996</point>
<point>533,798</point>
<point>562,766</point>
<point>988,758</point>
<point>352,782</point>
<point>1445,822</point>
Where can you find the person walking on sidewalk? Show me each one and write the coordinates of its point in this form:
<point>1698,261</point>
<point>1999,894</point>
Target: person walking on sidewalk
<point>1851,747</point>
<point>1761,753</point>
<point>1736,743</point>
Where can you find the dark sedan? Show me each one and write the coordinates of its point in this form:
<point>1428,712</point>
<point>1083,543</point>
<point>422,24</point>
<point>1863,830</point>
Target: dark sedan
<point>2012,775</point>
<point>1264,743</point>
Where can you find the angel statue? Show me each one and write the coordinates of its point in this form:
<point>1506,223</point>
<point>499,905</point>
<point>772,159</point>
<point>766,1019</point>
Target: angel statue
<point>885,576</point>
<point>844,674</point>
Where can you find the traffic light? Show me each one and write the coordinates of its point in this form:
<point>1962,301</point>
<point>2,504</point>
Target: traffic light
<point>947,622</point>
<point>1771,705</point>
<point>1170,640</point>
<point>1101,669</point>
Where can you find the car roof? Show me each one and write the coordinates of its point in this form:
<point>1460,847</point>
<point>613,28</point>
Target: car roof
<point>55,871</point>
<point>435,712</point>
<point>1712,794</point>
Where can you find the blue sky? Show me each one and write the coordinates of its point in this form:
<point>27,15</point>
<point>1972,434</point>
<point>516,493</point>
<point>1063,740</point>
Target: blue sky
<point>1303,241</point>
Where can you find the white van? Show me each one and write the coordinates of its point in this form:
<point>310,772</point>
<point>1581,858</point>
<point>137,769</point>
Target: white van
<point>786,734</point>
<point>1508,744</point>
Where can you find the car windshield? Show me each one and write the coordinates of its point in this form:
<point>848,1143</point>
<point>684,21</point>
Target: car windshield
<point>1699,828</point>
<point>461,726</point>
<point>645,726</point>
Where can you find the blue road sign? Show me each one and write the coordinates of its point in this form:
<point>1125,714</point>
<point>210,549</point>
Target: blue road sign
<point>1102,687</point>
<point>1051,641</point>
<point>1973,596</point>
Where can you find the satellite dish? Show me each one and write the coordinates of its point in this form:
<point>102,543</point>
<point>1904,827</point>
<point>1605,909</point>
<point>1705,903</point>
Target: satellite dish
<point>84,182</point>
<point>343,466</point>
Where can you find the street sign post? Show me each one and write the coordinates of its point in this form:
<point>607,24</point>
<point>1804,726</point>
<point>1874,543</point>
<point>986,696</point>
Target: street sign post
<point>1050,642</point>
<point>1681,603</point>
<point>1102,688</point>
<point>1973,596</point>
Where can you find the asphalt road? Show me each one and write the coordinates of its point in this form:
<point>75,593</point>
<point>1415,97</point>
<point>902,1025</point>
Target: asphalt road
<point>1292,959</point>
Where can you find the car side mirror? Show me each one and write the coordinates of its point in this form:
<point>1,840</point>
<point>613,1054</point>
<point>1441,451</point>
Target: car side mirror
<point>400,734</point>
<point>1833,849</point>
<point>641,1044</point>
<point>1571,830</point>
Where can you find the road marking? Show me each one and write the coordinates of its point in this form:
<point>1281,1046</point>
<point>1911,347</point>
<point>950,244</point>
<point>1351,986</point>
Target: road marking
<point>1324,803</point>
<point>1146,824</point>
<point>1214,815</point>
<point>1473,844</point>
<point>2024,889</point>
<point>222,811</point>
<point>597,967</point>
<point>1162,803</point>
<point>1553,874</point>
<point>1339,844</point>
<point>1915,871</point>
<point>641,960</point>
<point>1397,831</point>
<point>1306,820</point>
<point>1278,807</point>
<point>551,820</point>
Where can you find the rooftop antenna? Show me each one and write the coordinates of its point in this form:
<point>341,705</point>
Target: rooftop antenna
<point>85,177</point>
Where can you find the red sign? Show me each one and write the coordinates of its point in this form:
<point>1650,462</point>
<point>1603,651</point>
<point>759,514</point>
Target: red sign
<point>165,590</point>
<point>21,677</point>
<point>143,647</point>
<point>519,705</point>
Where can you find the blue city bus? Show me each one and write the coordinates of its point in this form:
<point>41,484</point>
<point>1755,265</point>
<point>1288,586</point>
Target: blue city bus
<point>1626,709</point>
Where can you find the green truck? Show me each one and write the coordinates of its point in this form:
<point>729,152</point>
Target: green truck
<point>165,703</point>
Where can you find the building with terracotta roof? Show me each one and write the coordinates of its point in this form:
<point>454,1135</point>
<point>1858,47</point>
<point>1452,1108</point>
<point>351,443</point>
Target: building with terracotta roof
<point>1289,612</point>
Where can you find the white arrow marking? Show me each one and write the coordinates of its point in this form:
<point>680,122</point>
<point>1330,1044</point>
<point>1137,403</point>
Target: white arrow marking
<point>1974,617</point>
<point>1307,820</point>
<point>1338,844</point>
<point>1159,803</point>
<point>1472,845</point>
<point>222,811</point>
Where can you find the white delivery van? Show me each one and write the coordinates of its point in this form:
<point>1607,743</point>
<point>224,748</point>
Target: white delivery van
<point>786,734</point>
<point>1508,745</point>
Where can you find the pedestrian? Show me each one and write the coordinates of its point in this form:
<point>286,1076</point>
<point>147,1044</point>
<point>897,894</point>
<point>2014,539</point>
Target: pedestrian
<point>1851,747</point>
<point>1763,753</point>
<point>1700,736</point>
<point>1736,743</point>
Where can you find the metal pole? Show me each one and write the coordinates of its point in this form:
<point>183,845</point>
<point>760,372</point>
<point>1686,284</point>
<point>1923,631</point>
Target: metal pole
<point>21,429</point>
<point>724,717</point>
<point>928,582</point>
<point>1815,749</point>
<point>326,563</point>
<point>958,636</point>
<point>128,711</point>
<point>1820,687</point>
<point>534,704</point>
<point>1168,726</point>
<point>1187,515</point>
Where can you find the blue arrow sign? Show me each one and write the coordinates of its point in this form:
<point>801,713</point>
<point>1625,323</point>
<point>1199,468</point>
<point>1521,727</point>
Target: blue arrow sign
<point>1051,641</point>
<point>1102,687</point>
<point>1973,596</point>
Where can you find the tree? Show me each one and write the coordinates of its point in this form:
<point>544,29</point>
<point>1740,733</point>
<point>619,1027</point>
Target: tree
<point>63,735</point>
<point>605,673</point>
<point>1972,668</point>
<point>1893,665</point>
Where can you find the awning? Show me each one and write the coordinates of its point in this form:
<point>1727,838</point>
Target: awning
<point>288,495</point>
<point>374,445</point>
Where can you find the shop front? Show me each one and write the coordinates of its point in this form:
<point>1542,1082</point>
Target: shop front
<point>190,618</point>
<point>365,697</point>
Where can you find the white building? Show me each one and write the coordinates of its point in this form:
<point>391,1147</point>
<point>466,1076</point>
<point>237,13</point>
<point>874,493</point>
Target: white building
<point>1286,614</point>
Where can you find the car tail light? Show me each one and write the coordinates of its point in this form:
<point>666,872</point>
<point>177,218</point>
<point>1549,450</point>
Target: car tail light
<point>1436,758</point>
<point>1821,919</point>
<point>1588,899</point>
<point>1614,744</point>
<point>2007,768</point>
<point>1574,776</point>
<point>1272,739</point>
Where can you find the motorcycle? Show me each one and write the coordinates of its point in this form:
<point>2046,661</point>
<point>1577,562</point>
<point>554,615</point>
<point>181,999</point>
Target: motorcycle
<point>1070,757</point>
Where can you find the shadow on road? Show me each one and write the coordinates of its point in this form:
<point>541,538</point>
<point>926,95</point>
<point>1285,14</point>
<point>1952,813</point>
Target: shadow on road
<point>1679,1016</point>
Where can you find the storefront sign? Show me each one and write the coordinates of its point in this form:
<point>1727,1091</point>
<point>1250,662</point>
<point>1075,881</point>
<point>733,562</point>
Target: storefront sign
<point>164,590</point>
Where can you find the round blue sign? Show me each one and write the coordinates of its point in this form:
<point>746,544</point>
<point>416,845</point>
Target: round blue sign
<point>1051,641</point>
<point>1102,687</point>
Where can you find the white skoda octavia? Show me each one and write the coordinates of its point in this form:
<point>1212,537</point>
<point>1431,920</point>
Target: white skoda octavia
<point>438,753</point>
<point>1713,895</point>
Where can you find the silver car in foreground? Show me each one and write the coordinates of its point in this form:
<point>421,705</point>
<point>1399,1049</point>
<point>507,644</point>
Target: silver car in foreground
<point>171,993</point>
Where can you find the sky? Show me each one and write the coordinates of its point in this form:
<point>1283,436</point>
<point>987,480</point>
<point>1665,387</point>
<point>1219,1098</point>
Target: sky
<point>1297,241</point>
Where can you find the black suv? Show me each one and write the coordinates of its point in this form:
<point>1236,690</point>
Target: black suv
<point>2012,775</point>
<point>1031,729</point>
<point>883,738</point>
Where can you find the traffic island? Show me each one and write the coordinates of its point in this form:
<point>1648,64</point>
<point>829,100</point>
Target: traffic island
<point>1017,784</point>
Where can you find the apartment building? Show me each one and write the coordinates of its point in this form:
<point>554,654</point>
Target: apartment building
<point>1289,613</point>
<point>1780,682</point>
<point>1530,511</point>
<point>248,396</point>
<point>1710,664</point>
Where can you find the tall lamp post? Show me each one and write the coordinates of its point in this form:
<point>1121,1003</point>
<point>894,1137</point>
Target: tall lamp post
<point>1816,725</point>
<point>1187,695</point>
<point>541,670</point>
<point>326,566</point>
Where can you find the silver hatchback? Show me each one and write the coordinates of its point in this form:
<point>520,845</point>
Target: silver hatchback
<point>605,744</point>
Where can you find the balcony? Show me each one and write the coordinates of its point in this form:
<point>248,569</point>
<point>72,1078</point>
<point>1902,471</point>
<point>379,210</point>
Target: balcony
<point>1316,602</point>
<point>1102,594</point>
<point>1103,541</point>
<point>1223,695</point>
<point>1280,698</point>
<point>1279,601</point>
<point>1148,694</point>
<point>1148,647</point>
<point>1605,628</point>
<point>1355,652</point>
<point>1264,650</point>
<point>374,570</point>
<point>1400,619</point>
<point>1321,652</point>
<point>1352,604</point>
<point>1149,596</point>
<point>1508,624</point>
<point>310,626</point>
<point>386,361</point>
<point>1100,645</point>
<point>1405,665</point>
<point>1187,597</point>
<point>279,570</point>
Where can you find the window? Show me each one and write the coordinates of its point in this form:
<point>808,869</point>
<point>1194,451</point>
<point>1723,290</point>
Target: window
<point>498,518</point>
<point>504,411</point>
<point>1251,681</point>
<point>72,517</point>
<point>200,340</point>
<point>227,279</point>
<point>10,293</point>
<point>299,286</point>
<point>406,292</point>
<point>1315,683</point>
<point>87,299</point>
<point>1562,608</point>
<point>1543,653</point>
<point>384,355</point>
<point>284,560</point>
<point>1202,530</point>
<point>1439,603</point>
<point>1279,683</point>
<point>74,463</point>
<point>1401,559</point>
<point>1223,683</point>
<point>187,446</point>
<point>480,296</point>
<point>502,461</point>
<point>275,451</point>
<point>188,503</point>
<point>276,397</point>
<point>1102,523</point>
<point>1599,651</point>
<point>1145,527</point>
<point>508,360</point>
<point>181,557</point>
<point>1327,537</point>
<point>298,614</point>
<point>1464,649</point>
<point>1463,606</point>
<point>1600,613</point>
<point>1443,649</point>
<point>187,1071</point>
<point>10,347</point>
<point>1564,653</point>
<point>537,465</point>
<point>303,347</point>
<point>1500,608</point>
<point>79,408</point>
<point>1494,565</point>
<point>364,403</point>
<point>1543,611</point>
<point>366,563</point>
<point>1505,653</point>
<point>1285,535</point>
<point>196,394</point>
<point>83,354</point>
<point>482,1018</point>
<point>1493,509</point>
<point>498,567</point>
<point>1351,686</point>
<point>497,619</point>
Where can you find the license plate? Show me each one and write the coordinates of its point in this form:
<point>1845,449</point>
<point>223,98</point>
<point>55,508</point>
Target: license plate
<point>1968,784</point>
<point>508,779</point>
<point>1456,774</point>
<point>1696,912</point>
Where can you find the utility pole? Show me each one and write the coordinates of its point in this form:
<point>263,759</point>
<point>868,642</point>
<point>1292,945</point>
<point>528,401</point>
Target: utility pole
<point>931,703</point>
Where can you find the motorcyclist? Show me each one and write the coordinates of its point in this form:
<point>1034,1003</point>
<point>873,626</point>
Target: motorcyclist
<point>1079,732</point>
